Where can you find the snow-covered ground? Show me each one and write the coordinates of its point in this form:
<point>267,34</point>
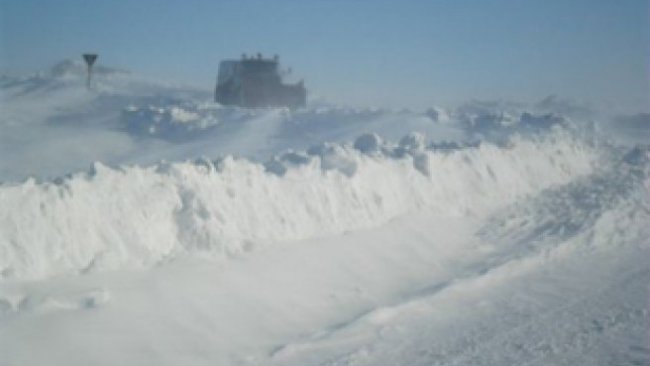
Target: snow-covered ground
<point>141,224</point>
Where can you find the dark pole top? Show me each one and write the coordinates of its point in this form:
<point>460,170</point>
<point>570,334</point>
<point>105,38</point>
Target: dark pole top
<point>90,58</point>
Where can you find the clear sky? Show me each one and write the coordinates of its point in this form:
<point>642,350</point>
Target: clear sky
<point>396,53</point>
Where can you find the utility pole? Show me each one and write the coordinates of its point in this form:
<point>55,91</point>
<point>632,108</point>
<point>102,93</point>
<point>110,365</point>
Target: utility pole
<point>90,60</point>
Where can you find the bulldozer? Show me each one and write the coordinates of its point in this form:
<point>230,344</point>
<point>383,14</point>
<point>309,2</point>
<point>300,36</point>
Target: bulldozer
<point>254,82</point>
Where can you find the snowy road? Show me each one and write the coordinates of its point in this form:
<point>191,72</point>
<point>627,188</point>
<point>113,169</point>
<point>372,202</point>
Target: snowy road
<point>567,307</point>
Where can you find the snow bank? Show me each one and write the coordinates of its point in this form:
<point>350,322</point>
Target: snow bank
<point>139,216</point>
<point>174,121</point>
<point>608,208</point>
<point>181,120</point>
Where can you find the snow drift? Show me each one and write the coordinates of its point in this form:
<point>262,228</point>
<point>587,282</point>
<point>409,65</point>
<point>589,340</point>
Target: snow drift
<point>134,216</point>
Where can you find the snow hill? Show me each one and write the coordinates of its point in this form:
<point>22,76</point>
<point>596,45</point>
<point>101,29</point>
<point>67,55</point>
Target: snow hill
<point>140,223</point>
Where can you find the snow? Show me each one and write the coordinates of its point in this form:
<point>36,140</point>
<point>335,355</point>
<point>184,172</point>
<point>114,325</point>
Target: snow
<point>494,233</point>
<point>104,218</point>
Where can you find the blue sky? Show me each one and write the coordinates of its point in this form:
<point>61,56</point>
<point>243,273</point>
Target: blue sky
<point>394,53</point>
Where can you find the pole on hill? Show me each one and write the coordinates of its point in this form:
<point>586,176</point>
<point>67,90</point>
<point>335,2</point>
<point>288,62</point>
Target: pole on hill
<point>90,60</point>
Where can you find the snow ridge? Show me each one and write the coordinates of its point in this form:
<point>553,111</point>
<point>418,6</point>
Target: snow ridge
<point>133,216</point>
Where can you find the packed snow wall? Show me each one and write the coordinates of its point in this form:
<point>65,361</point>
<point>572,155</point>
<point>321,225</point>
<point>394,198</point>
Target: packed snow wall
<point>134,216</point>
